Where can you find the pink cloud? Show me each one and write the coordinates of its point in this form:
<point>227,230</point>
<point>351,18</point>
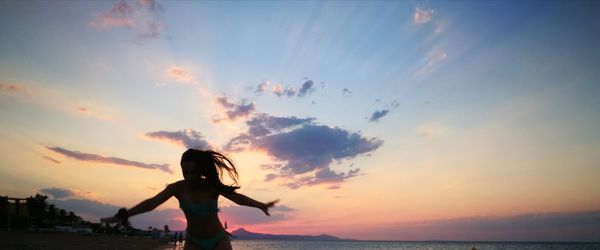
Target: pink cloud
<point>15,88</point>
<point>178,74</point>
<point>142,17</point>
<point>88,111</point>
<point>118,16</point>
<point>422,15</point>
<point>431,61</point>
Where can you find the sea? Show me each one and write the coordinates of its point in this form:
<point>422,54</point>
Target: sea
<point>380,245</point>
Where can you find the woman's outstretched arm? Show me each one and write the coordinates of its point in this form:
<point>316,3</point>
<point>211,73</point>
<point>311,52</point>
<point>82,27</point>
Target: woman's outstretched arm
<point>243,200</point>
<point>146,205</point>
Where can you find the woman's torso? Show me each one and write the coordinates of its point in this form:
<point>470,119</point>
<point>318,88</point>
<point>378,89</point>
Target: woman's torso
<point>199,204</point>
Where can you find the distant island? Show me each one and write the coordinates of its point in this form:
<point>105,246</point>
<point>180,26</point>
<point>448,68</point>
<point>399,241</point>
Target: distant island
<point>243,234</point>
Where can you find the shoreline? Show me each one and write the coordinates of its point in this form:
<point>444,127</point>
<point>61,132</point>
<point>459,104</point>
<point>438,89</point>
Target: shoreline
<point>24,239</point>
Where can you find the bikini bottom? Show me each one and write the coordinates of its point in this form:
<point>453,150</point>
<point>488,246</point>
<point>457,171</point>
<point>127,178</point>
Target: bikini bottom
<point>207,243</point>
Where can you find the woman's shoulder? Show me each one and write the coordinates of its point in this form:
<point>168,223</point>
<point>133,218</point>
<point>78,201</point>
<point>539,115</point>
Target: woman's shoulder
<point>176,186</point>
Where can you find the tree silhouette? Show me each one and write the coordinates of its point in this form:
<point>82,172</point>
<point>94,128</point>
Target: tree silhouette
<point>36,206</point>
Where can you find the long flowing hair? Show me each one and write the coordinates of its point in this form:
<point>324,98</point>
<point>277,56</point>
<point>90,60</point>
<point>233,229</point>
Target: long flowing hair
<point>211,166</point>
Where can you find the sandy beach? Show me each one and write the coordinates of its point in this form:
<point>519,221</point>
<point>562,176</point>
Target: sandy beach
<point>22,239</point>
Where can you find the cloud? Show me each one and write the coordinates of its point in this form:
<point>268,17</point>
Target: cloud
<point>49,98</point>
<point>323,176</point>
<point>118,16</point>
<point>346,92</point>
<point>88,209</point>
<point>50,159</point>
<point>233,110</point>
<point>422,15</point>
<point>307,87</point>
<point>57,193</point>
<point>280,91</point>
<point>262,87</point>
<point>572,226</point>
<point>304,150</point>
<point>188,138</point>
<point>89,111</point>
<point>263,124</point>
<point>14,88</point>
<point>142,17</point>
<point>238,215</point>
<point>178,74</point>
<point>430,130</point>
<point>431,61</point>
<point>110,160</point>
<point>378,114</point>
<point>85,205</point>
<point>61,193</point>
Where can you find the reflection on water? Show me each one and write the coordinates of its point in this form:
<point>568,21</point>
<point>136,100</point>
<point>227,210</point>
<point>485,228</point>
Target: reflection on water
<point>403,245</point>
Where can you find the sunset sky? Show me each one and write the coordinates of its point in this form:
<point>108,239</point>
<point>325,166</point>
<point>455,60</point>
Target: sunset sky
<point>375,120</point>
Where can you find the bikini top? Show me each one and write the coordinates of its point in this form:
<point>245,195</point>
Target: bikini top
<point>203,209</point>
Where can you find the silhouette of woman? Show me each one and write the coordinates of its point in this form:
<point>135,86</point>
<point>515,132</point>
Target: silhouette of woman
<point>197,194</point>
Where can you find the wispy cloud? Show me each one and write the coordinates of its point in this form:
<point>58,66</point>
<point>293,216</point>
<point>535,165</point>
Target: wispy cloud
<point>304,150</point>
<point>262,87</point>
<point>50,98</point>
<point>110,160</point>
<point>572,227</point>
<point>142,17</point>
<point>91,112</point>
<point>50,159</point>
<point>118,16</point>
<point>422,15</point>
<point>179,74</point>
<point>431,61</point>
<point>234,111</point>
<point>14,88</point>
<point>378,114</point>
<point>431,130</point>
<point>188,138</point>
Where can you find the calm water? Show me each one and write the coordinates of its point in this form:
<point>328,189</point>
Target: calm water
<point>379,245</point>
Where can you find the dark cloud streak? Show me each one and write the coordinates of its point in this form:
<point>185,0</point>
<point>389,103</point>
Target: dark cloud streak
<point>110,160</point>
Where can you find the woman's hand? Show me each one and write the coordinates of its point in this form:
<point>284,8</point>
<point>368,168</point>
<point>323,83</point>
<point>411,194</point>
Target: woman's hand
<point>121,217</point>
<point>266,206</point>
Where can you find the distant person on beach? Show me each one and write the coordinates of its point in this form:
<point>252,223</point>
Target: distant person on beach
<point>197,194</point>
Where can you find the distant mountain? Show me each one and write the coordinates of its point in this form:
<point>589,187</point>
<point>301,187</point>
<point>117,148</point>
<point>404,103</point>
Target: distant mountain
<point>244,234</point>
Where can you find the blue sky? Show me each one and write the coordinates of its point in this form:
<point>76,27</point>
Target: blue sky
<point>419,106</point>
